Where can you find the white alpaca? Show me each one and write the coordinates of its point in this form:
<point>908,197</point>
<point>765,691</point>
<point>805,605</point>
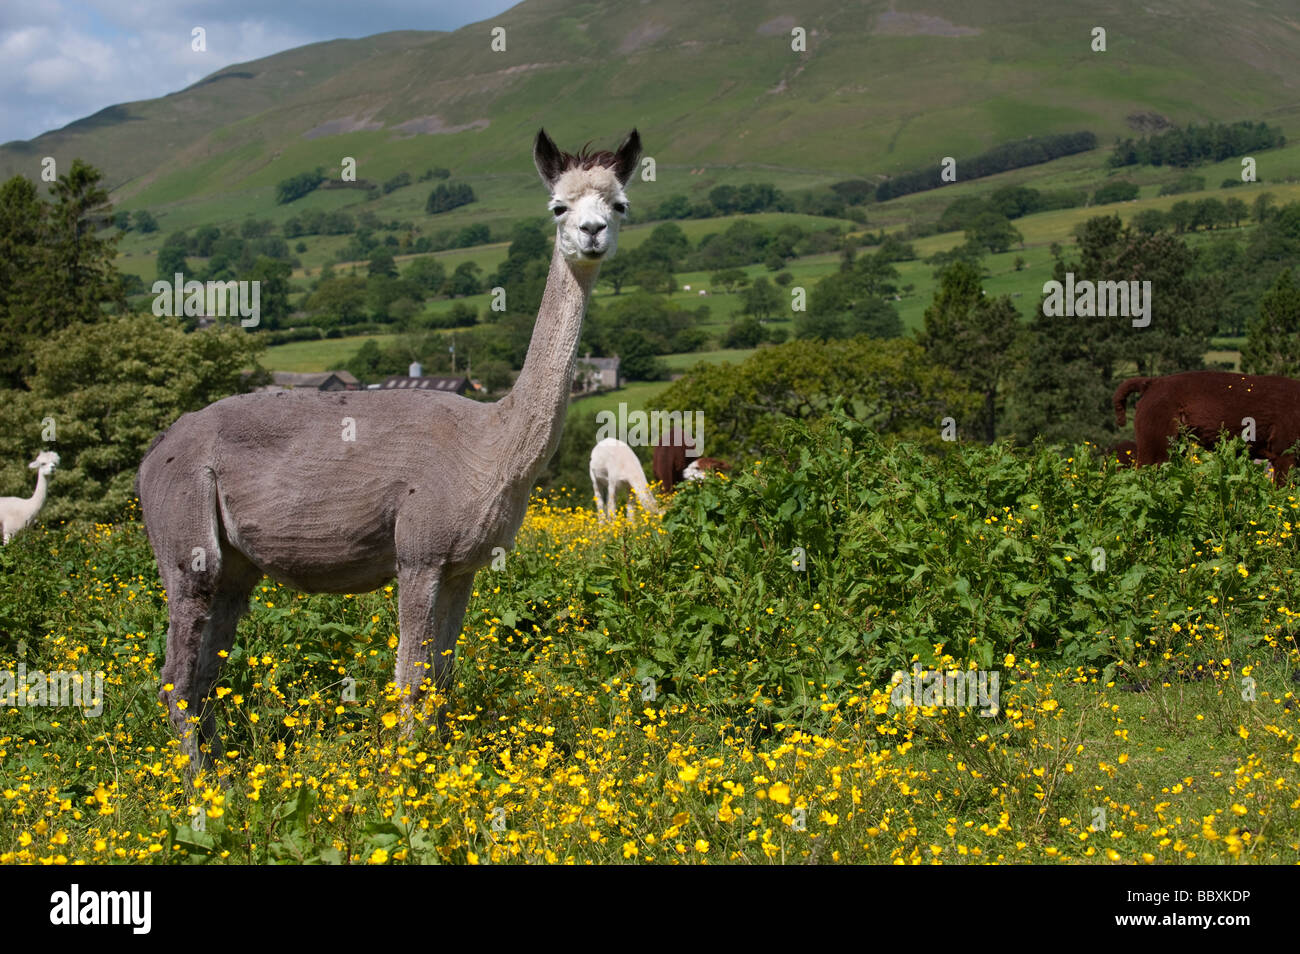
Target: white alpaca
<point>18,512</point>
<point>701,467</point>
<point>615,465</point>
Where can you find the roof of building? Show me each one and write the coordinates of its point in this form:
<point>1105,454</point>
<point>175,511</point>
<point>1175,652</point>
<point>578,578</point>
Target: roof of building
<point>601,364</point>
<point>426,382</point>
<point>295,379</point>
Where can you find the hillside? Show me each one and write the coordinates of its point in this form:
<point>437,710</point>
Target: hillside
<point>882,88</point>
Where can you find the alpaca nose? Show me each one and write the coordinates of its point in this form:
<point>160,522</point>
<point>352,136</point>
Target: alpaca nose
<point>592,228</point>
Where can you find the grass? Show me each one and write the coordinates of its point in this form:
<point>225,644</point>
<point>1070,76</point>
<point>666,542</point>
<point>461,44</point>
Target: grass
<point>561,749</point>
<point>326,354</point>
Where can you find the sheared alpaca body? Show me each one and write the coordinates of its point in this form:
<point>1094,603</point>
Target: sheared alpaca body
<point>613,466</point>
<point>17,513</point>
<point>332,492</point>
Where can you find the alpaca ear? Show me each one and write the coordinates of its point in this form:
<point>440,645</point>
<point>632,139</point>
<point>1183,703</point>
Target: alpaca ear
<point>626,157</point>
<point>547,158</point>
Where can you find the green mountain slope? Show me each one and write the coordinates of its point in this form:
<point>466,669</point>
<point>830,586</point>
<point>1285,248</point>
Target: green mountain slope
<point>883,87</point>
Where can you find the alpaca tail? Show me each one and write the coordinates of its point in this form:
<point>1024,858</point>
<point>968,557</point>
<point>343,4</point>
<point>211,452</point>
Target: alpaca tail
<point>135,487</point>
<point>1121,396</point>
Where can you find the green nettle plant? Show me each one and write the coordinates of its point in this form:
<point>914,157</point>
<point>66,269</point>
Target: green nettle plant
<point>848,556</point>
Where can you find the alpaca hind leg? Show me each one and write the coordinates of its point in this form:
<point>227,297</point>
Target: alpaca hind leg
<point>186,541</point>
<point>188,619</point>
<point>596,492</point>
<point>238,577</point>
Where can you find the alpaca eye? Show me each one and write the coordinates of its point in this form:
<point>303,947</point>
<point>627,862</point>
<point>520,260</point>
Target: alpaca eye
<point>559,210</point>
<point>620,207</point>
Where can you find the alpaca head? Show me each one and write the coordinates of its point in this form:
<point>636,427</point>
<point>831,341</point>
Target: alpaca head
<point>587,197</point>
<point>45,462</point>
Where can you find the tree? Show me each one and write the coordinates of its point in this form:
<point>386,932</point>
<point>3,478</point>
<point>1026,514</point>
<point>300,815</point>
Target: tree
<point>84,273</point>
<point>381,263</point>
<point>1262,210</point>
<point>725,199</point>
<point>666,326</point>
<point>844,304</point>
<point>1181,216</point>
<point>1235,211</point>
<point>993,232</point>
<point>1071,365</point>
<point>427,274</point>
<point>654,277</point>
<point>873,317</point>
<point>55,269</point>
<point>295,187</point>
<point>1210,213</point>
<point>495,375</point>
<point>745,333</point>
<point>761,300</point>
<point>1149,221</point>
<point>673,207</point>
<point>470,235</point>
<point>448,196</point>
<point>1273,335</point>
<point>1118,191</point>
<point>617,272</point>
<point>112,386</point>
<point>337,301</point>
<point>273,290</point>
<point>638,361</point>
<point>464,280</point>
<point>971,335</point>
<point>383,292</point>
<point>891,386</point>
<point>667,246</point>
<point>729,279</point>
<point>25,263</point>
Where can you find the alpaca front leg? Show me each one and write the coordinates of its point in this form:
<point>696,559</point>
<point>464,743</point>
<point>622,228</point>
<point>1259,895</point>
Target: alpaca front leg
<point>453,598</point>
<point>417,596</point>
<point>430,619</point>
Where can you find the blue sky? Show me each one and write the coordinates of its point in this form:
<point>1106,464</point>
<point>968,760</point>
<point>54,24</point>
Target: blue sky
<point>60,60</point>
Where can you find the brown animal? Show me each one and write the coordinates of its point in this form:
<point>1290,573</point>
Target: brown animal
<point>1264,409</point>
<point>670,460</point>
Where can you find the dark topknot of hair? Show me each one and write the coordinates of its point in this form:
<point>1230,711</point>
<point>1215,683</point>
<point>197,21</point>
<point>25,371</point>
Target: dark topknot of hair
<point>583,159</point>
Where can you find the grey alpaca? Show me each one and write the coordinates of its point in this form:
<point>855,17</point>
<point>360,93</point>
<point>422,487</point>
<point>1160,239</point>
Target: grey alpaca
<point>342,492</point>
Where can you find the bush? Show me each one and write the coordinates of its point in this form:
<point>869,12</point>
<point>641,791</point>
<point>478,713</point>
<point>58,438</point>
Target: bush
<point>110,388</point>
<point>1120,191</point>
<point>296,187</point>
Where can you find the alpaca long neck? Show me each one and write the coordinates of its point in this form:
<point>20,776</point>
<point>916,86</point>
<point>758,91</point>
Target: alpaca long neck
<point>642,490</point>
<point>534,409</point>
<point>36,500</point>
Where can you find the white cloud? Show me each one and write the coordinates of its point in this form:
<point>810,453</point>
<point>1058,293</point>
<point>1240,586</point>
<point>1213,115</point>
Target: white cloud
<point>64,61</point>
